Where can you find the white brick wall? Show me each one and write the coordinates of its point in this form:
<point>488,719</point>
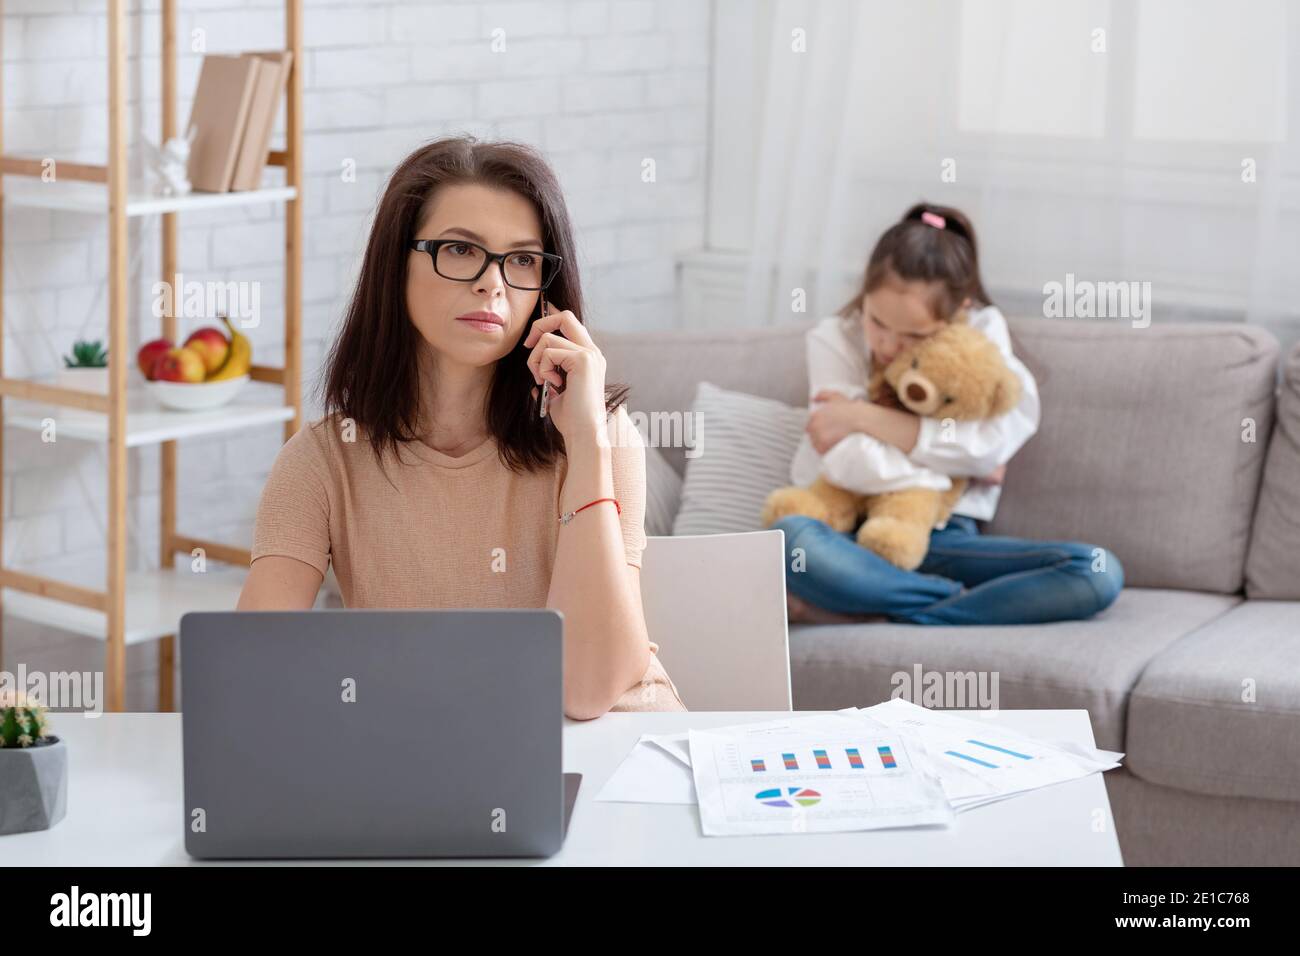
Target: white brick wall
<point>599,85</point>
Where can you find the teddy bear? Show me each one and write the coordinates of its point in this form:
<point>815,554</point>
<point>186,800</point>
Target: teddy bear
<point>957,373</point>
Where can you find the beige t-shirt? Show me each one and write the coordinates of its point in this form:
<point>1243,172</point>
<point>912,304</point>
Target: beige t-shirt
<point>447,532</point>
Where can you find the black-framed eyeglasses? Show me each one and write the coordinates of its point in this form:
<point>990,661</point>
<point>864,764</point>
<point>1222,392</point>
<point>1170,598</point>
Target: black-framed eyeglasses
<point>465,261</point>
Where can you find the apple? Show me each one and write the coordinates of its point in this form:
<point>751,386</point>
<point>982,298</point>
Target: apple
<point>180,365</point>
<point>211,343</point>
<point>149,354</point>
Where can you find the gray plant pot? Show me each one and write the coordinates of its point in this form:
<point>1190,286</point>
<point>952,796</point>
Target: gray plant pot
<point>33,787</point>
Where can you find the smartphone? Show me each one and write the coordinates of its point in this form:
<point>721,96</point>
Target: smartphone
<point>546,386</point>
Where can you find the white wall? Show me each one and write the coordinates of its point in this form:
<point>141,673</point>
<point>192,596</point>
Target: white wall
<point>599,85</point>
<point>1122,164</point>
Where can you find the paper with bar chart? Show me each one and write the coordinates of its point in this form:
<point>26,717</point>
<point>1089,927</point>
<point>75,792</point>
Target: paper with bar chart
<point>980,762</point>
<point>813,775</point>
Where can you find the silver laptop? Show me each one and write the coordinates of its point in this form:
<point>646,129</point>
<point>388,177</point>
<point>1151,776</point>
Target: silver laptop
<point>374,733</point>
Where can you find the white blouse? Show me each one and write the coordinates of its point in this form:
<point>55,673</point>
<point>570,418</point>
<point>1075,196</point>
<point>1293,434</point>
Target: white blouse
<point>867,465</point>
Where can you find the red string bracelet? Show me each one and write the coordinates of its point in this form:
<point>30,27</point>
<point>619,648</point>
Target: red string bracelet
<point>568,515</point>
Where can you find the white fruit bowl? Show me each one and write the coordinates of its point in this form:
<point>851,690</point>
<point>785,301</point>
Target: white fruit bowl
<point>196,396</point>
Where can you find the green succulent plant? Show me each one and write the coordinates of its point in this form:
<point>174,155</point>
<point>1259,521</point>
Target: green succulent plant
<point>22,725</point>
<point>87,355</point>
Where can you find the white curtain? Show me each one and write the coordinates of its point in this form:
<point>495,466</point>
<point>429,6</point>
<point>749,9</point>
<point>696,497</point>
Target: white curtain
<point>1091,141</point>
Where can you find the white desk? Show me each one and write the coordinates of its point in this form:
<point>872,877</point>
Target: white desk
<point>125,808</point>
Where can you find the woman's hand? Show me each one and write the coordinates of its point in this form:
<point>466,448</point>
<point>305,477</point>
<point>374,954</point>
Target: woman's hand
<point>560,341</point>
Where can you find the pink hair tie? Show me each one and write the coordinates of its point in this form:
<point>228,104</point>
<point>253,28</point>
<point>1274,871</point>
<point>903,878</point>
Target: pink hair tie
<point>934,219</point>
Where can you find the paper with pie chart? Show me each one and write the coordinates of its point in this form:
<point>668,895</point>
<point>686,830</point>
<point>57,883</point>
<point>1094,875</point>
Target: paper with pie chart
<point>829,775</point>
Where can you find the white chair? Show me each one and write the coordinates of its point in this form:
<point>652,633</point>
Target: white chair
<point>715,605</point>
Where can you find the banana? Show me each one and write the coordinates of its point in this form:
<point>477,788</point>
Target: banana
<point>240,358</point>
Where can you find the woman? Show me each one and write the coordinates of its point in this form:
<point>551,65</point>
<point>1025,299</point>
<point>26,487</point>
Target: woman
<point>433,480</point>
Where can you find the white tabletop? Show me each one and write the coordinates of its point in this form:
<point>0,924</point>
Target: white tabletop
<point>125,807</point>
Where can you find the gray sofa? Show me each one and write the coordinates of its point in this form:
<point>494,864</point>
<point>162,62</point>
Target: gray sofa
<point>1173,446</point>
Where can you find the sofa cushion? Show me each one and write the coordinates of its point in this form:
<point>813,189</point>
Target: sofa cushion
<point>743,448</point>
<point>665,368</point>
<point>1219,711</point>
<point>1273,563</point>
<point>1141,448</point>
<point>1165,826</point>
<point>1090,664</point>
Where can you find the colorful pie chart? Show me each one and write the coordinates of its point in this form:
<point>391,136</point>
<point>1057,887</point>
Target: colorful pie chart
<point>788,797</point>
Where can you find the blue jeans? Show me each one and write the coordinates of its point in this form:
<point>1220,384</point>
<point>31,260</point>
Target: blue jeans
<point>966,578</point>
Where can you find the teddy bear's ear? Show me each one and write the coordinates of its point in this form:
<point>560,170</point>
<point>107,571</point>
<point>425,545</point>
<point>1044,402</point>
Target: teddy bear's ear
<point>1006,395</point>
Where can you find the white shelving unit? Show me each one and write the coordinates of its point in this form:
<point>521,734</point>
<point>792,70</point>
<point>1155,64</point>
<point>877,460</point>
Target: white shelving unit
<point>155,601</point>
<point>147,422</point>
<point>93,198</point>
<point>115,605</point>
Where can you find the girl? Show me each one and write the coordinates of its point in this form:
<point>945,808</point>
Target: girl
<point>923,273</point>
<point>433,480</point>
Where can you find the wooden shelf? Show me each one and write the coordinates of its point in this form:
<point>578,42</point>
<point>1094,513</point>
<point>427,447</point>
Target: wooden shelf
<point>148,605</point>
<point>93,198</point>
<point>149,423</point>
<point>155,601</point>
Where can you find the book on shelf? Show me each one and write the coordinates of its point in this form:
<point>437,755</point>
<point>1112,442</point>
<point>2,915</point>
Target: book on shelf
<point>233,116</point>
<point>218,116</point>
<point>272,75</point>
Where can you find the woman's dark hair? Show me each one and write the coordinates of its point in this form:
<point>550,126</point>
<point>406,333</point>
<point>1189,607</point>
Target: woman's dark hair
<point>914,249</point>
<point>371,374</point>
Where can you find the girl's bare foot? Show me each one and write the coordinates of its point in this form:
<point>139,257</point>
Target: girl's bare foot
<point>801,612</point>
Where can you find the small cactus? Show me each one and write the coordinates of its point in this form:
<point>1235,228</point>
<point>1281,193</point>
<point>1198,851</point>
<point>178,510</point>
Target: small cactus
<point>22,722</point>
<point>87,355</point>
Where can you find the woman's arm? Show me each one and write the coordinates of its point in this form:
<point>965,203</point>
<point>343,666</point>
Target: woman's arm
<point>291,535</point>
<point>606,645</point>
<point>277,583</point>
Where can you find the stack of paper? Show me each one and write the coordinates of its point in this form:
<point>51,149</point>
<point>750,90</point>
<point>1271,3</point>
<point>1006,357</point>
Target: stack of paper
<point>980,763</point>
<point>891,765</point>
